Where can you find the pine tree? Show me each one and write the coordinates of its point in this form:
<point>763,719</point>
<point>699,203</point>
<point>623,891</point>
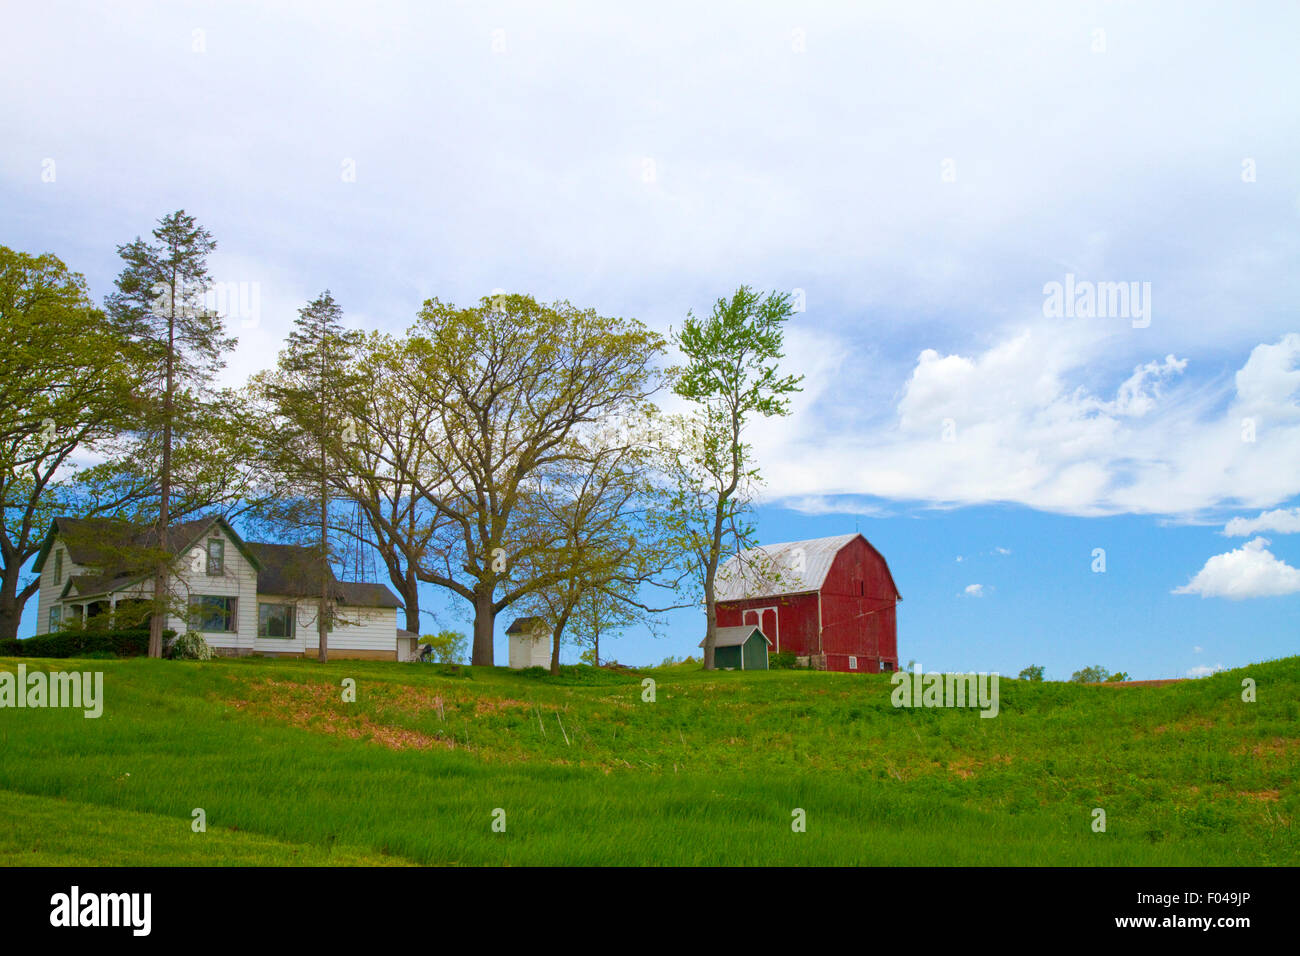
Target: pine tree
<point>159,305</point>
<point>307,430</point>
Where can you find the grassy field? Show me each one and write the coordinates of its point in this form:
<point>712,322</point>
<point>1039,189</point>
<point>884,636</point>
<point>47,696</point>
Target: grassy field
<point>586,772</point>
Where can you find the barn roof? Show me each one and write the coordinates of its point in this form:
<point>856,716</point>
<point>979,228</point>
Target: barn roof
<point>736,636</point>
<point>793,567</point>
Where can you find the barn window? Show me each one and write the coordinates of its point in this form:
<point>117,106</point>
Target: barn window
<point>853,663</point>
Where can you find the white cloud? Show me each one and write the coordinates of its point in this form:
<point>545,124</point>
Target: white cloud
<point>1249,571</point>
<point>1003,551</point>
<point>1280,520</point>
<point>974,590</point>
<point>1201,670</point>
<point>1027,421</point>
<point>1197,649</point>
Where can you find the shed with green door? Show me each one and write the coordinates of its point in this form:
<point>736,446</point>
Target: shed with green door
<point>740,648</point>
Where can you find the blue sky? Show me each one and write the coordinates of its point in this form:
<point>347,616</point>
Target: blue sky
<point>922,172</point>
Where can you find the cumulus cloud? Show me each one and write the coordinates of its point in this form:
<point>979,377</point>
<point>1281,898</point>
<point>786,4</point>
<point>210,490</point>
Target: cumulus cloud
<point>1249,571</point>
<point>1201,670</point>
<point>1028,420</point>
<point>1280,520</point>
<point>974,590</point>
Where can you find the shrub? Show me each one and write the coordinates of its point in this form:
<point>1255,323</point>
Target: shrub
<point>1033,672</point>
<point>781,661</point>
<point>449,647</point>
<point>190,646</point>
<point>132,643</point>
<point>1096,675</point>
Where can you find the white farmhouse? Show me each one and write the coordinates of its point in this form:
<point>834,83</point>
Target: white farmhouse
<point>244,597</point>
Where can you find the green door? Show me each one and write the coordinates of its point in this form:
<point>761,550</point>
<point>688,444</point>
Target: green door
<point>726,657</point>
<point>755,653</point>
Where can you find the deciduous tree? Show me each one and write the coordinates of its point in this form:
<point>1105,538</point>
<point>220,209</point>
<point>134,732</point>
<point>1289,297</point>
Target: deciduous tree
<point>731,374</point>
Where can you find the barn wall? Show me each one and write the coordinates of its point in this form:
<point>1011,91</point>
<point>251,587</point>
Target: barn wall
<point>858,611</point>
<point>796,620</point>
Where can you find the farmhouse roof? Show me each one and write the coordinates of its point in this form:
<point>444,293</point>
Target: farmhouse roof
<point>736,636</point>
<point>295,571</point>
<point>112,550</point>
<point>525,625</point>
<point>116,549</point>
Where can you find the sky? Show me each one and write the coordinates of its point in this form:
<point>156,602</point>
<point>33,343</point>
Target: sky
<point>1046,256</point>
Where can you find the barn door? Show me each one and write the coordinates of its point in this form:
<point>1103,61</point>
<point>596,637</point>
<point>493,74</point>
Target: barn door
<point>765,619</point>
<point>770,627</point>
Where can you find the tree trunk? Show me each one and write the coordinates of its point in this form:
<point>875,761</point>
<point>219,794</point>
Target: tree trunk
<point>11,606</point>
<point>555,644</point>
<point>323,612</point>
<point>158,619</point>
<point>710,632</point>
<point>710,613</point>
<point>484,627</point>
<point>410,592</point>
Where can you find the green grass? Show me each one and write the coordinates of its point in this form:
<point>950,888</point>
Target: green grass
<point>588,773</point>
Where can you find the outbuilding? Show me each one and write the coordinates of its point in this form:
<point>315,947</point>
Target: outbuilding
<point>829,601</point>
<point>530,643</point>
<point>740,648</point>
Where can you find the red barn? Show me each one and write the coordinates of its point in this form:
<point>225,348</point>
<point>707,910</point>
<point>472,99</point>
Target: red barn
<point>831,600</point>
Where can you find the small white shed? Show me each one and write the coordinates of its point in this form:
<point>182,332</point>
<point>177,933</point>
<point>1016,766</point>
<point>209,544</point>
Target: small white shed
<point>530,643</point>
<point>408,645</point>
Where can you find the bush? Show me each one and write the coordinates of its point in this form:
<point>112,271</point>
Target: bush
<point>1033,672</point>
<point>781,661</point>
<point>132,643</point>
<point>449,647</point>
<point>1096,675</point>
<point>190,646</point>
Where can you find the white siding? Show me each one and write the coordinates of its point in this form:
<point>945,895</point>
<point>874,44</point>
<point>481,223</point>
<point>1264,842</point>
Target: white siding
<point>238,580</point>
<point>355,629</point>
<point>48,594</point>
<point>530,650</point>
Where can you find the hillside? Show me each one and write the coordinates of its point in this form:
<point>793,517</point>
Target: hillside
<point>588,773</point>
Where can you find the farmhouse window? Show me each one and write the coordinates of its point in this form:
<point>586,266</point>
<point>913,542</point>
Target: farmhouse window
<point>212,614</point>
<point>275,620</point>
<point>58,565</point>
<point>216,556</point>
<point>55,614</point>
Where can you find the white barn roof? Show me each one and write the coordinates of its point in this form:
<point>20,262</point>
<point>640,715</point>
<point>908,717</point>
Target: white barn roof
<point>794,567</point>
